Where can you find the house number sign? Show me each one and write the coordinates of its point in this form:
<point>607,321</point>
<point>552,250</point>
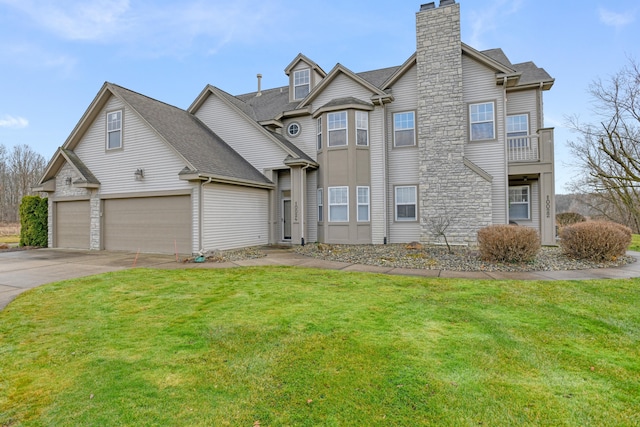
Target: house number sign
<point>295,212</point>
<point>548,207</point>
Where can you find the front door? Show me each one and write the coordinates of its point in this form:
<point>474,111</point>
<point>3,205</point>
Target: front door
<point>286,219</point>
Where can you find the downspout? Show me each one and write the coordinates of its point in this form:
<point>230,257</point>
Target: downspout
<point>506,149</point>
<point>384,170</point>
<point>201,221</point>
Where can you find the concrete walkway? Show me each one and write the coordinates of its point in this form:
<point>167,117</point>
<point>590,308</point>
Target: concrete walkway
<point>23,270</point>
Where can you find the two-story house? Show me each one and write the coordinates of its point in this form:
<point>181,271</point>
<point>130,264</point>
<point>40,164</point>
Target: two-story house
<point>452,136</point>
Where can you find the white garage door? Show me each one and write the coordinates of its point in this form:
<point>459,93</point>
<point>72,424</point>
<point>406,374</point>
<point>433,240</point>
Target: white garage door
<point>71,228</point>
<point>148,224</point>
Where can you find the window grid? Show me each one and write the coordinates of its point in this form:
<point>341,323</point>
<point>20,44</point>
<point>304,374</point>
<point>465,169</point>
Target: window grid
<point>337,129</point>
<point>319,133</point>
<point>301,83</point>
<point>406,203</point>
<point>518,125</point>
<point>114,130</point>
<point>519,202</point>
<point>320,205</point>
<point>338,204</point>
<point>363,204</point>
<point>481,117</point>
<point>404,129</point>
<point>362,128</point>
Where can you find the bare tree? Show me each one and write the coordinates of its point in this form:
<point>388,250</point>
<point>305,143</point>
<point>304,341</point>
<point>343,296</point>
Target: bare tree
<point>609,152</point>
<point>20,169</point>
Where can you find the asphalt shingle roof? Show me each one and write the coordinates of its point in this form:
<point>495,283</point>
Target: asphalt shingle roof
<point>203,149</point>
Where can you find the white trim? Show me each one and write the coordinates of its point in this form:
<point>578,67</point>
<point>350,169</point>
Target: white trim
<point>527,203</point>
<point>396,204</point>
<point>365,127</point>
<point>306,82</point>
<point>396,129</point>
<point>320,203</point>
<point>117,127</point>
<point>345,129</point>
<point>367,204</point>
<point>341,203</point>
<point>483,121</point>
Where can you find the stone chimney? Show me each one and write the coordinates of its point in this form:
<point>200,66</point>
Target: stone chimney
<point>448,187</point>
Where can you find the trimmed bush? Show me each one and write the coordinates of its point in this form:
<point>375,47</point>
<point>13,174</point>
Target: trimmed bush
<point>508,243</point>
<point>33,221</point>
<point>595,240</point>
<point>569,218</point>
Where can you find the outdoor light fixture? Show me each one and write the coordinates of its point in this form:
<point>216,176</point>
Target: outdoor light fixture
<point>138,174</point>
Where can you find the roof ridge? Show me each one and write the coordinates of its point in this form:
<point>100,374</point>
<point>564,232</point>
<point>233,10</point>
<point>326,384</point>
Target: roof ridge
<point>146,96</point>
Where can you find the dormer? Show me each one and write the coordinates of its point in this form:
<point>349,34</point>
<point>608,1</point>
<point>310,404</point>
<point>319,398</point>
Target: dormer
<point>304,75</point>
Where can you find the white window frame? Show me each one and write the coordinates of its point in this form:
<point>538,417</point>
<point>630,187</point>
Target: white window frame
<point>402,125</point>
<point>301,78</point>
<point>338,202</point>
<point>293,129</point>
<point>113,126</point>
<point>362,126</point>
<point>520,202</point>
<point>319,195</point>
<point>398,202</point>
<point>364,201</point>
<point>480,116</point>
<point>319,134</point>
<point>515,130</point>
<point>332,127</point>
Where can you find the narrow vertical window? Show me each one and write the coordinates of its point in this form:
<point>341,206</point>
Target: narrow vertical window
<point>481,117</point>
<point>362,128</point>
<point>320,205</point>
<point>518,130</point>
<point>404,130</point>
<point>363,204</point>
<point>338,204</point>
<point>114,130</point>
<point>337,129</point>
<point>319,134</point>
<point>406,203</point>
<point>301,83</point>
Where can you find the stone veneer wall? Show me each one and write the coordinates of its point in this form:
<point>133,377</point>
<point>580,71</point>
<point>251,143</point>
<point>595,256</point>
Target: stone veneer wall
<point>448,188</point>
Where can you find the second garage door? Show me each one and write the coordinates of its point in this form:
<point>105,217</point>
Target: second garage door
<point>71,229</point>
<point>148,224</point>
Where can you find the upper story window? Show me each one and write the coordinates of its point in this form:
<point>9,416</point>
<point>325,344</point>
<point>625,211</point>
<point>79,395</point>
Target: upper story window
<point>337,129</point>
<point>362,128</point>
<point>114,130</point>
<point>319,133</point>
<point>518,126</point>
<point>406,204</point>
<point>301,83</point>
<point>519,202</point>
<point>404,130</point>
<point>293,129</point>
<point>481,119</point>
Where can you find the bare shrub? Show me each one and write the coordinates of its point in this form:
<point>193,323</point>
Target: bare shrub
<point>508,243</point>
<point>569,218</point>
<point>595,240</point>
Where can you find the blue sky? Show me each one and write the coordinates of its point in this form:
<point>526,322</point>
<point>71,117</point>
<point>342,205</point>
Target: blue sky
<point>56,54</point>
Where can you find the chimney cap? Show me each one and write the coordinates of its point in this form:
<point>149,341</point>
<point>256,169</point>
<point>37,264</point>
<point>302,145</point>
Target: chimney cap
<point>446,2</point>
<point>427,6</point>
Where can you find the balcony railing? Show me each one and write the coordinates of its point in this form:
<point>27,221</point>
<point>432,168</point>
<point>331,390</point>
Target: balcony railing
<point>523,148</point>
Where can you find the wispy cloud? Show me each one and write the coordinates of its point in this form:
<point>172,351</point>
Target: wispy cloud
<point>150,28</point>
<point>616,20</point>
<point>488,19</point>
<point>13,122</point>
<point>35,57</point>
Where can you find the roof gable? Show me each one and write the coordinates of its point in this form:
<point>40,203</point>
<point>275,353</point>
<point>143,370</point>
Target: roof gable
<point>301,58</point>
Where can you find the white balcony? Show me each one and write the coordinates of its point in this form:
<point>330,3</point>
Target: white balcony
<point>523,148</point>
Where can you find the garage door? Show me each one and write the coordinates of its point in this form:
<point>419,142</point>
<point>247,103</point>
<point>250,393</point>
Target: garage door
<point>148,224</point>
<point>71,229</point>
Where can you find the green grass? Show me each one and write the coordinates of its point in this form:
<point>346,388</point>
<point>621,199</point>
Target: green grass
<point>284,346</point>
<point>10,239</point>
<point>635,243</point>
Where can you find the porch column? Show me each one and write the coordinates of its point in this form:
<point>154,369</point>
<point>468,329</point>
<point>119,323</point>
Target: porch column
<point>298,196</point>
<point>547,209</point>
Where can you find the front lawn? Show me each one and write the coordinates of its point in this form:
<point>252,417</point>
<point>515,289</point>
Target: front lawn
<point>635,243</point>
<point>275,346</point>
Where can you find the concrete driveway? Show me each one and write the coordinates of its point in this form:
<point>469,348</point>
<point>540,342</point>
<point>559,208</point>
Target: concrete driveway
<point>22,270</point>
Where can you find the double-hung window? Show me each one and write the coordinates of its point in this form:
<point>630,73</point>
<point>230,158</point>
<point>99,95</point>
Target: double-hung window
<point>337,129</point>
<point>519,202</point>
<point>362,128</point>
<point>404,129</point>
<point>517,130</point>
<point>301,83</point>
<point>363,204</point>
<point>338,204</point>
<point>406,203</point>
<point>481,118</point>
<point>319,133</point>
<point>319,196</point>
<point>114,130</point>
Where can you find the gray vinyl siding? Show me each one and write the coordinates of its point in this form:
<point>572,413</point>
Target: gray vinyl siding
<point>479,85</point>
<point>376,150</point>
<point>311,219</point>
<point>235,217</point>
<point>535,207</point>
<point>246,139</point>
<point>524,102</point>
<point>306,140</point>
<point>114,168</point>
<point>341,87</point>
<point>403,161</point>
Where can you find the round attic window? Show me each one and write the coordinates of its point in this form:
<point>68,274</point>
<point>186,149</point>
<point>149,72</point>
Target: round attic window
<point>293,129</point>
